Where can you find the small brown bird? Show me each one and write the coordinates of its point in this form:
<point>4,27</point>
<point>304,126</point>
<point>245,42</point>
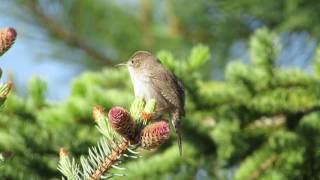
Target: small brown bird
<point>151,80</point>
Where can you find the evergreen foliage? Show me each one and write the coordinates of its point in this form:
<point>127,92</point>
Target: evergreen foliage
<point>7,38</point>
<point>122,134</point>
<point>261,122</point>
<point>100,28</point>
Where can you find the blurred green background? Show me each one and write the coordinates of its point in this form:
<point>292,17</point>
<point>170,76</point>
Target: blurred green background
<point>243,63</point>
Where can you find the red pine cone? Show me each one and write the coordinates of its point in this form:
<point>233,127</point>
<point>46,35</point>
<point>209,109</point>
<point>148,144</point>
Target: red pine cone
<point>7,38</point>
<point>122,122</point>
<point>154,135</point>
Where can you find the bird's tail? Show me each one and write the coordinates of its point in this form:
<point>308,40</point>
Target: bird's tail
<point>177,126</point>
<point>179,139</point>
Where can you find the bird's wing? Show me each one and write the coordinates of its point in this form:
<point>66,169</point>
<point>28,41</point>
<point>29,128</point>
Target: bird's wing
<point>171,88</point>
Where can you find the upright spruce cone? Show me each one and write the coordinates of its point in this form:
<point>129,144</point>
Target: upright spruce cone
<point>122,122</point>
<point>154,135</point>
<point>7,38</point>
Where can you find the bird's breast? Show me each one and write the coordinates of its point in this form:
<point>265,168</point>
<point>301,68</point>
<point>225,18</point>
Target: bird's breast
<point>143,88</point>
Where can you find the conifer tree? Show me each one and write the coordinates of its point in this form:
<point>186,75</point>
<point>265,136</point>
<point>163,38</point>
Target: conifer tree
<point>260,122</point>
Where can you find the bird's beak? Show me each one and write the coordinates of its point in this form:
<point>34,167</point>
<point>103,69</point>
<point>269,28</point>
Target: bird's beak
<point>122,64</point>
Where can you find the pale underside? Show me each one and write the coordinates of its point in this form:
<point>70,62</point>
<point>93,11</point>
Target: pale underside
<point>144,88</point>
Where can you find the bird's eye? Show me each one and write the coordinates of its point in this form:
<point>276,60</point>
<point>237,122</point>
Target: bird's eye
<point>132,61</point>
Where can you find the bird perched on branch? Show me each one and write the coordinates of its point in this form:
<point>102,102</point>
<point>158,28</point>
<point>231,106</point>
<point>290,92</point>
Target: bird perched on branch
<point>151,80</point>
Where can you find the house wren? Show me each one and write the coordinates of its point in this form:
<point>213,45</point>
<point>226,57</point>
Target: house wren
<point>151,80</point>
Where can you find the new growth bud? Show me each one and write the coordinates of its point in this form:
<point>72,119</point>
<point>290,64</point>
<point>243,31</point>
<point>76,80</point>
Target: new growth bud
<point>63,153</point>
<point>150,106</point>
<point>148,111</point>
<point>137,107</point>
<point>97,112</point>
<point>4,91</point>
<point>154,135</point>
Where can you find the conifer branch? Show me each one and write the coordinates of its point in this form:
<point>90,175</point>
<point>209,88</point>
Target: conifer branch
<point>122,134</point>
<point>266,122</point>
<point>263,167</point>
<point>146,22</point>
<point>7,38</point>
<point>57,30</point>
<point>110,160</point>
<point>174,22</point>
<point>290,118</point>
<point>293,118</point>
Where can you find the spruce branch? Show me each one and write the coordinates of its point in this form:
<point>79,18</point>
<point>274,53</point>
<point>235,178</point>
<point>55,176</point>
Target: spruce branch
<point>174,26</point>
<point>5,155</point>
<point>146,22</point>
<point>263,167</point>
<point>7,38</point>
<point>291,119</point>
<point>110,160</point>
<point>62,33</point>
<point>253,166</point>
<point>123,133</point>
<point>267,122</point>
<point>67,166</point>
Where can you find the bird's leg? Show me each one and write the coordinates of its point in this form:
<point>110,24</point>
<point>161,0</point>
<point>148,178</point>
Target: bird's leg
<point>158,116</point>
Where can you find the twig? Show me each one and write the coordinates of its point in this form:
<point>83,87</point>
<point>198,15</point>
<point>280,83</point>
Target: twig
<point>55,29</point>
<point>174,24</point>
<point>290,118</point>
<point>293,118</point>
<point>110,160</point>
<point>266,122</point>
<point>146,22</point>
<point>263,167</point>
